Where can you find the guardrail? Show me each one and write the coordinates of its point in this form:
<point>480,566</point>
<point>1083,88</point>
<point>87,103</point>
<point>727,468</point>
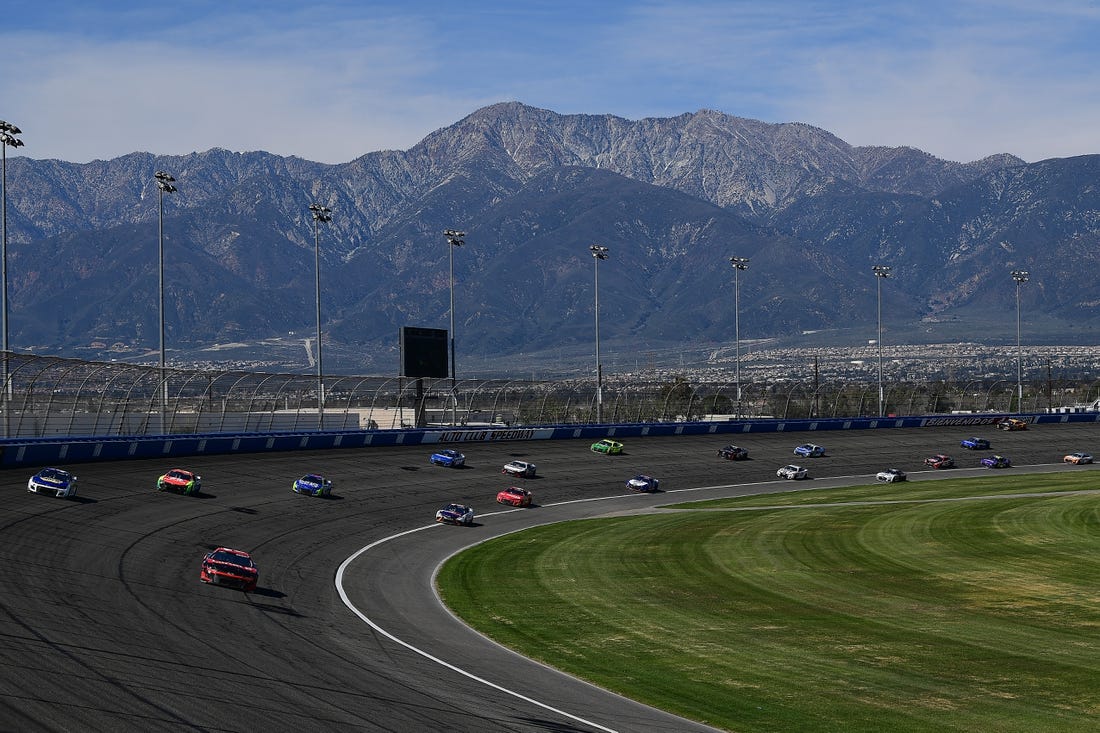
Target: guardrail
<point>16,452</point>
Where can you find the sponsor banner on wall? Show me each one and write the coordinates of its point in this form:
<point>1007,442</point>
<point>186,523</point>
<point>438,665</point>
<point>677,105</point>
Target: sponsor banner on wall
<point>488,435</point>
<point>955,420</point>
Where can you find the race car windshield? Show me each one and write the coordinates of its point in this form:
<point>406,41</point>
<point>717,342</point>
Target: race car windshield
<point>232,559</point>
<point>54,473</point>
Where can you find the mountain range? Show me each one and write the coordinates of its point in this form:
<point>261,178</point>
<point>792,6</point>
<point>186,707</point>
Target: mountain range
<point>672,198</point>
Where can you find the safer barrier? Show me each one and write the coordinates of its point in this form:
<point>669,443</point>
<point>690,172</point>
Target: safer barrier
<point>49,451</point>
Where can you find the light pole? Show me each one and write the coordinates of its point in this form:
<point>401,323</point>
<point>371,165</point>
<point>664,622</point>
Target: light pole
<point>164,185</point>
<point>739,263</point>
<point>455,238</point>
<point>321,214</point>
<point>881,273</point>
<point>599,252</point>
<point>8,137</point>
<point>1021,277</point>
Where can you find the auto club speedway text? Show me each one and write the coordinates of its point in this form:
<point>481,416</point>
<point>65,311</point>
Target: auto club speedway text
<point>469,436</point>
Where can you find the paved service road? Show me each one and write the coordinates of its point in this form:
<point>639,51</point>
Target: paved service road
<point>105,626</point>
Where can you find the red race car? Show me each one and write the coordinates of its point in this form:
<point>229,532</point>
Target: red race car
<point>940,461</point>
<point>229,567</point>
<point>515,496</point>
<point>181,480</point>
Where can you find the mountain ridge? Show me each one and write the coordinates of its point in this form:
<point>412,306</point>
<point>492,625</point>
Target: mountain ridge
<point>673,197</point>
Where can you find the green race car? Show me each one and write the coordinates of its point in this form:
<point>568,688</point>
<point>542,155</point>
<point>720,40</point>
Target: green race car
<point>180,480</point>
<point>607,447</point>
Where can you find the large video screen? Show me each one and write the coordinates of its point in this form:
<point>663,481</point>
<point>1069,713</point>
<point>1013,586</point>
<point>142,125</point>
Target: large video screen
<point>424,352</point>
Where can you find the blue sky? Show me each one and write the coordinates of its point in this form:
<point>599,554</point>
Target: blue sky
<point>329,81</point>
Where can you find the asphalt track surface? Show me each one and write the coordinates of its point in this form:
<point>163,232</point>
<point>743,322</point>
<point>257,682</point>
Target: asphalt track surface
<point>104,625</point>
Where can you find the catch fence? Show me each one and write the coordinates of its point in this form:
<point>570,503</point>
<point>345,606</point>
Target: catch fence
<point>58,397</point>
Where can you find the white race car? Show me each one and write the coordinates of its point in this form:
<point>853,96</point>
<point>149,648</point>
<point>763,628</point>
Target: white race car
<point>54,482</point>
<point>890,475</point>
<point>521,469</point>
<point>792,471</point>
<point>455,514</point>
<point>643,483</point>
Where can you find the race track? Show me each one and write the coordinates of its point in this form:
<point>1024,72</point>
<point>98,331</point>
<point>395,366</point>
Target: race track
<point>106,627</point>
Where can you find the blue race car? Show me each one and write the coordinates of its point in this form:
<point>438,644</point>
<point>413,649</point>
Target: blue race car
<point>53,481</point>
<point>809,450</point>
<point>449,458</point>
<point>997,462</point>
<point>975,443</point>
<point>313,484</point>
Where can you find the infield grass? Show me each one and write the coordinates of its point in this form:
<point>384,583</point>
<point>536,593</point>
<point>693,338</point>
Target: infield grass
<point>949,612</point>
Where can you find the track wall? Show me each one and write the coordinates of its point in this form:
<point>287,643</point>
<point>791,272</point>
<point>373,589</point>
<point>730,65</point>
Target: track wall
<point>47,451</point>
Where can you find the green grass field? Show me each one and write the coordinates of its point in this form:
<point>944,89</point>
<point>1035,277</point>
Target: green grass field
<point>980,614</point>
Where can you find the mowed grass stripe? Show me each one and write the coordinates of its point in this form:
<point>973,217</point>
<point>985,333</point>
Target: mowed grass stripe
<point>998,484</point>
<point>968,615</point>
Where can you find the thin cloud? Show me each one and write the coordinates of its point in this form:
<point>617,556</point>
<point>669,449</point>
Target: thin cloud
<point>960,80</point>
<point>292,98</point>
<point>332,81</point>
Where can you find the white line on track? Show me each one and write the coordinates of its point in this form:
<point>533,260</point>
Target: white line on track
<point>470,675</point>
<point>363,617</point>
<point>369,622</point>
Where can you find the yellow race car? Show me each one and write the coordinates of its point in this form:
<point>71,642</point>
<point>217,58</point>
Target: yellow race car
<point>607,446</point>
